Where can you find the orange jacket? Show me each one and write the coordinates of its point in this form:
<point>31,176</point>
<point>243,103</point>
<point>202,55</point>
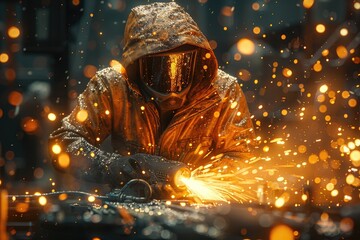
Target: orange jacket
<point>214,120</point>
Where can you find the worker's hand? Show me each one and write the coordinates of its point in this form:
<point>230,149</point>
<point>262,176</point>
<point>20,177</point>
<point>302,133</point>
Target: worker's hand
<point>153,169</point>
<point>137,166</point>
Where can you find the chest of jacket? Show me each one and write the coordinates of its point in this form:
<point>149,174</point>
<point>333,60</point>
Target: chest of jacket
<point>187,138</point>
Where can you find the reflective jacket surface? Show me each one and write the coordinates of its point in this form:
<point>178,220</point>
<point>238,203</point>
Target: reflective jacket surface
<point>214,120</point>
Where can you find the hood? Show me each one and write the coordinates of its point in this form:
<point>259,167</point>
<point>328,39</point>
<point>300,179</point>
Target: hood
<point>160,27</point>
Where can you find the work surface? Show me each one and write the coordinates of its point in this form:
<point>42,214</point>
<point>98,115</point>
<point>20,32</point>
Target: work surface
<point>101,220</point>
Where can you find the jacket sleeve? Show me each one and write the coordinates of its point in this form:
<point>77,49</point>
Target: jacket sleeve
<point>74,147</point>
<point>234,135</point>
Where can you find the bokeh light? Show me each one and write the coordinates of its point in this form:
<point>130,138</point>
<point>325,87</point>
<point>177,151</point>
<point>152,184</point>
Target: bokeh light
<point>4,57</point>
<point>308,3</point>
<point>56,148</point>
<point>52,116</point>
<point>13,32</point>
<point>15,98</point>
<point>246,46</point>
<point>63,160</point>
<point>320,28</point>
<point>282,232</point>
<point>82,115</point>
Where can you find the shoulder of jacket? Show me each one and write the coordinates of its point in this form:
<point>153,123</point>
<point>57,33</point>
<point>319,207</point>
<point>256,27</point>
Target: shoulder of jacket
<point>110,74</point>
<point>224,82</point>
<point>110,77</point>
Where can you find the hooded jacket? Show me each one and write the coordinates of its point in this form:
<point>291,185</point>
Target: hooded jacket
<point>214,121</point>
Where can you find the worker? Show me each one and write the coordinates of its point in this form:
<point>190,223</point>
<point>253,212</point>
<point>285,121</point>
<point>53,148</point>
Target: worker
<point>168,100</point>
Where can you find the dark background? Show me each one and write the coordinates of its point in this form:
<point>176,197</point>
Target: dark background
<point>312,134</point>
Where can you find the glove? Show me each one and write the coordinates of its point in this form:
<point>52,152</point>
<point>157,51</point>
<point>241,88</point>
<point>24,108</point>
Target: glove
<point>124,168</point>
<point>156,170</point>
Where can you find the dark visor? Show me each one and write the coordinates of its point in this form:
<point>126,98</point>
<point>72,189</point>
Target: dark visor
<point>168,72</point>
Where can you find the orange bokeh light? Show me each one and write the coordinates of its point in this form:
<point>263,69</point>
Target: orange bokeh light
<point>15,98</point>
<point>14,32</point>
<point>246,46</point>
<point>30,125</point>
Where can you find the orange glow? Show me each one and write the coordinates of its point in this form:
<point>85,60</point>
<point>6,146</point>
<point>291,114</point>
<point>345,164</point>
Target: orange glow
<point>330,186</point>
<point>341,51</point>
<point>237,56</point>
<point>4,57</point>
<point>346,224</point>
<point>233,105</point>
<point>91,199</point>
<point>244,75</point>
<point>355,156</point>
<point>56,149</point>
<point>317,66</point>
<point>246,46</point>
<point>216,114</point>
<point>52,117</point>
<point>304,197</point>
<point>302,149</point>
<point>256,30</point>
<point>350,179</point>
<point>117,66</point>
<point>313,159</point>
<point>64,160</point>
<point>30,125</point>
<point>308,3</point>
<point>325,52</point>
<point>323,88</point>
<point>82,115</point>
<point>255,6</point>
<point>75,2</point>
<point>279,202</point>
<point>14,32</point>
<point>356,60</point>
<point>206,183</point>
<point>320,28</point>
<point>227,11</point>
<point>352,102</point>
<point>15,98</point>
<point>10,74</point>
<point>345,94</point>
<point>322,108</point>
<point>357,5</point>
<point>22,207</point>
<point>42,201</point>
<point>287,72</point>
<point>344,32</point>
<point>213,44</point>
<point>89,71</point>
<point>281,232</point>
<point>334,193</point>
<point>63,196</point>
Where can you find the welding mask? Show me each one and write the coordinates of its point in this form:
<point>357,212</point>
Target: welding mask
<point>167,77</point>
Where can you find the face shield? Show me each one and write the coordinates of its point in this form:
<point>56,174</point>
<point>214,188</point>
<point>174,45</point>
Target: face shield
<point>167,73</point>
<point>166,77</point>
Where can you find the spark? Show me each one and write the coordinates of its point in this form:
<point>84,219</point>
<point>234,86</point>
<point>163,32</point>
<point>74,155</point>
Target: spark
<point>211,183</point>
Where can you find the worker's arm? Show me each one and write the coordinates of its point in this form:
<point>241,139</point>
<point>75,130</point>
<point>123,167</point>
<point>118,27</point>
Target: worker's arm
<point>234,132</point>
<point>81,134</point>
